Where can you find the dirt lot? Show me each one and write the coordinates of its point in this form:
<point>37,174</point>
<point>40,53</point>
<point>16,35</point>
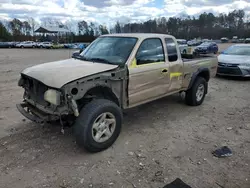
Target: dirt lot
<point>159,142</point>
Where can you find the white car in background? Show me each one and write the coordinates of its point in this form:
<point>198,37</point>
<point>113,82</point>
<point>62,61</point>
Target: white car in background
<point>182,43</point>
<point>235,61</point>
<point>27,44</point>
<point>45,45</point>
<point>185,48</point>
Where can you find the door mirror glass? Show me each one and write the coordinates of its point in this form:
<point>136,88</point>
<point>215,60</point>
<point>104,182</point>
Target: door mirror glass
<point>75,54</point>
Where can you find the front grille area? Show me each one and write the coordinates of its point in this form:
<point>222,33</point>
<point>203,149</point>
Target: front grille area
<point>227,65</point>
<point>201,50</point>
<point>35,90</point>
<point>229,71</point>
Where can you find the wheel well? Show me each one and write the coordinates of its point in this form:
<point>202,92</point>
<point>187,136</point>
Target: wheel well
<point>204,74</point>
<point>101,92</point>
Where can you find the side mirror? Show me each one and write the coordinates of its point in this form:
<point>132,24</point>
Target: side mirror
<point>75,54</point>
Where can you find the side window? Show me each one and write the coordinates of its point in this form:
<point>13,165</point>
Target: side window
<point>150,51</point>
<point>171,49</point>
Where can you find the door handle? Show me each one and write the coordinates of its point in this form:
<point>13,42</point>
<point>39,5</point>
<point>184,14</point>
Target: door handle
<point>164,71</point>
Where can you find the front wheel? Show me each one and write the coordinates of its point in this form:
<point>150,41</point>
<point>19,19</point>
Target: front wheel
<point>98,125</point>
<point>196,94</point>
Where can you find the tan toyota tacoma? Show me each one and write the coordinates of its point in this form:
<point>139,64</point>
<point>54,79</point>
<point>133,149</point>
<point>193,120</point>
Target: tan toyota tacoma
<point>115,72</point>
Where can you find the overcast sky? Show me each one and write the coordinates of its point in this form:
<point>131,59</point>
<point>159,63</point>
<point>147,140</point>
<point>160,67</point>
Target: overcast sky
<point>109,11</point>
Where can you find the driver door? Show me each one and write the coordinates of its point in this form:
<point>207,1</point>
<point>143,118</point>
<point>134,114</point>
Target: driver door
<point>148,73</point>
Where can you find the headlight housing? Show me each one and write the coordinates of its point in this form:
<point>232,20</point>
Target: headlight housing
<point>245,65</point>
<point>52,96</point>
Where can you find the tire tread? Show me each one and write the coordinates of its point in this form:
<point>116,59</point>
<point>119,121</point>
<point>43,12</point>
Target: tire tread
<point>86,115</point>
<point>191,93</point>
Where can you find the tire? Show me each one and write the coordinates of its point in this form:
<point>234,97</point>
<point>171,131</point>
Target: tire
<point>33,46</point>
<point>191,94</point>
<point>22,46</point>
<point>83,127</point>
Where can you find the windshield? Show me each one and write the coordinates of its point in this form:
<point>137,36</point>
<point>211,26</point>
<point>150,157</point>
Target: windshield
<point>205,44</point>
<point>112,50</point>
<point>238,50</point>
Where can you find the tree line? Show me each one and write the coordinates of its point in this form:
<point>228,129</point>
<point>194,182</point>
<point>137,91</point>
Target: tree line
<point>206,25</point>
<point>17,30</point>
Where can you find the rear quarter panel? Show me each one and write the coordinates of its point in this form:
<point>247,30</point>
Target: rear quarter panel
<point>193,66</point>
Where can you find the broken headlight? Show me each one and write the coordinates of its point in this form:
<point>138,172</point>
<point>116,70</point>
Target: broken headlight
<point>52,96</point>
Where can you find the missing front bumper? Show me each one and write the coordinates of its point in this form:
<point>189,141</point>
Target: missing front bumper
<point>34,114</point>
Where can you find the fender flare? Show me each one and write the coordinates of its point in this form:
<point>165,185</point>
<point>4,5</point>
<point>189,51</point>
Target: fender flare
<point>200,72</point>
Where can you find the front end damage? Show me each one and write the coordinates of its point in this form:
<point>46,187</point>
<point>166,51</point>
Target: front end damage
<point>44,104</point>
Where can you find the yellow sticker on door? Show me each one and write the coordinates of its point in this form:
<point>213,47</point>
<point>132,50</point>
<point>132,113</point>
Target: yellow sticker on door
<point>175,74</point>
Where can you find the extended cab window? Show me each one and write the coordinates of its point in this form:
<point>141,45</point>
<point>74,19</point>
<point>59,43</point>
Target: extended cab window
<point>150,51</point>
<point>171,49</point>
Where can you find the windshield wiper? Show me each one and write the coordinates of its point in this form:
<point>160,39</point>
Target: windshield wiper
<point>101,60</point>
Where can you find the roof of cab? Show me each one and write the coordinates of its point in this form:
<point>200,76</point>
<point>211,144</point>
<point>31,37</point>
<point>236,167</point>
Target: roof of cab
<point>139,35</point>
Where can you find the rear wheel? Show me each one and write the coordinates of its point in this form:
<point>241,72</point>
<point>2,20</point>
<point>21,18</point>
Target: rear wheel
<point>98,125</point>
<point>196,94</point>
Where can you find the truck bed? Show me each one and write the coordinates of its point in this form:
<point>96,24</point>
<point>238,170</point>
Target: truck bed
<point>186,58</point>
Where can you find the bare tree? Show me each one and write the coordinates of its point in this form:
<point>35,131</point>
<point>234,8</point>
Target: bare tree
<point>16,27</point>
<point>26,28</point>
<point>83,28</point>
<point>103,29</point>
<point>33,24</point>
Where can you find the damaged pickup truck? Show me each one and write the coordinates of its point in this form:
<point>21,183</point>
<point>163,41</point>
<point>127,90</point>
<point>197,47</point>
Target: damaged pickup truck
<point>115,72</point>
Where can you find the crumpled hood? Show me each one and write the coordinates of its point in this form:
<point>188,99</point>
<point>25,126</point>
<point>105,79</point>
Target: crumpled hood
<point>58,73</point>
<point>234,59</point>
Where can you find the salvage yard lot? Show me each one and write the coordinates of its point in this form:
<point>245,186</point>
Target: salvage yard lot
<point>160,141</point>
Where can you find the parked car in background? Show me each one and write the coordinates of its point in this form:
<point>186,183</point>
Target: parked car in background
<point>12,44</point>
<point>71,46</point>
<point>45,44</point>
<point>205,40</point>
<point>27,44</point>
<point>194,42</point>
<point>82,46</point>
<point>57,46</point>
<point>224,40</point>
<point>241,40</point>
<point>235,61</point>
<point>207,48</point>
<point>16,43</point>
<point>235,39</point>
<point>5,45</point>
<point>182,43</point>
<point>247,40</point>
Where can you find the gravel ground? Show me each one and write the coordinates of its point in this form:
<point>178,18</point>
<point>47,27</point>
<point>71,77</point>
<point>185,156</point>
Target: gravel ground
<point>160,141</point>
